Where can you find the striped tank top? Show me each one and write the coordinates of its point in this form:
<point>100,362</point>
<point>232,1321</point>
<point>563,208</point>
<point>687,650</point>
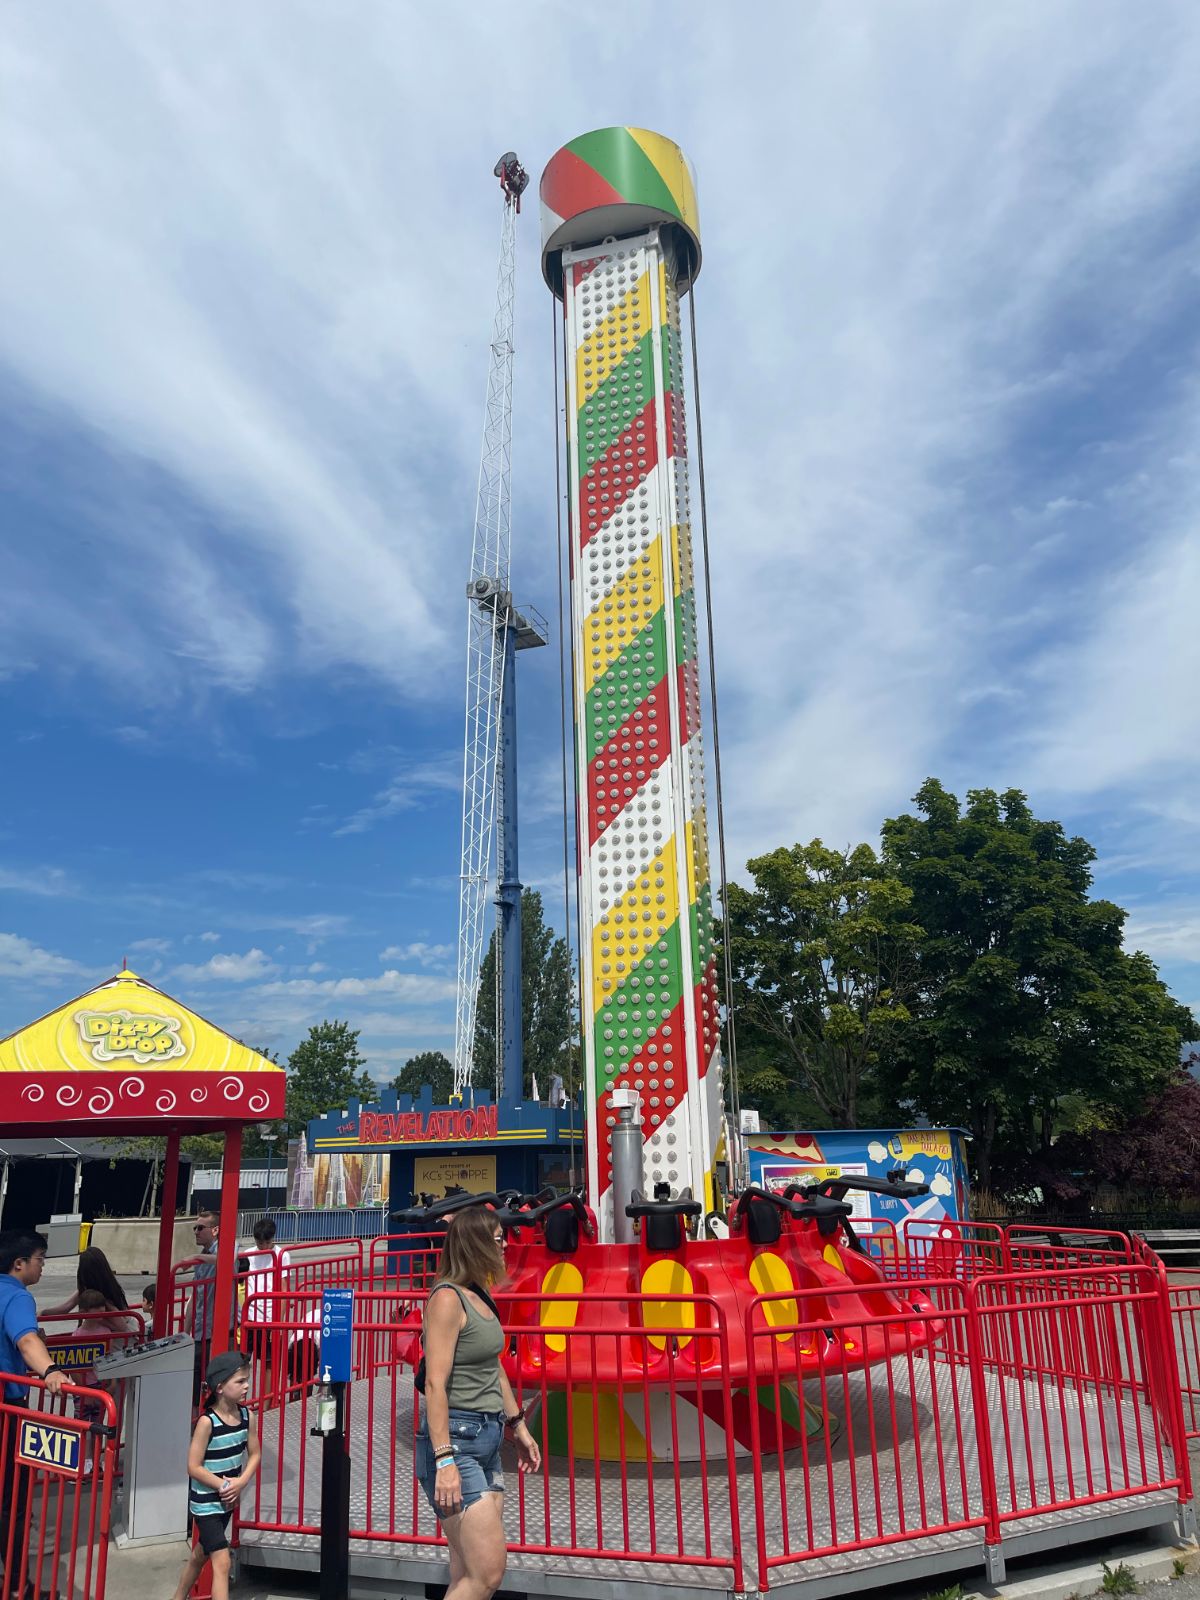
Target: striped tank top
<point>223,1457</point>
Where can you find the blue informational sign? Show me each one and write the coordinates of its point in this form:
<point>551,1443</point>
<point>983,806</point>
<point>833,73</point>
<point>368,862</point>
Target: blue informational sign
<point>337,1333</point>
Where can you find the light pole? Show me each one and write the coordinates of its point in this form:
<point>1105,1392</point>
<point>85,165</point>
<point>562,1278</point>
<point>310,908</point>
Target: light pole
<point>268,1137</point>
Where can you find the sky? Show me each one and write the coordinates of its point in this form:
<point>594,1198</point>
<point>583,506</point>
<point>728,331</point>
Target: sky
<point>947,334</point>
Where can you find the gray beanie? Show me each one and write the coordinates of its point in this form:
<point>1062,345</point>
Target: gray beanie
<point>221,1368</point>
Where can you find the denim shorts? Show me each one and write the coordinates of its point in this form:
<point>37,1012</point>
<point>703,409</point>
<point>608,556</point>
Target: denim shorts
<point>475,1439</point>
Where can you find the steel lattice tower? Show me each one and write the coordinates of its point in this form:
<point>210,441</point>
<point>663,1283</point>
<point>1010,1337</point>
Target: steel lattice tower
<point>495,630</point>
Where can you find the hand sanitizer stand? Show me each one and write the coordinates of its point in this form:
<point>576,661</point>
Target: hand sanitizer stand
<point>158,1430</point>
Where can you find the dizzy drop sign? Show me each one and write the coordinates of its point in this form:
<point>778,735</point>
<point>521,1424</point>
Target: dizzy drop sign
<point>122,1036</point>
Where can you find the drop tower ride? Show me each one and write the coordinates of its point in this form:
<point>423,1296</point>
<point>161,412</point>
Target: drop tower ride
<point>620,247</point>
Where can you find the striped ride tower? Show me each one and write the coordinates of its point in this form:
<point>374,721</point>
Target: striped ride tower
<point>620,245</point>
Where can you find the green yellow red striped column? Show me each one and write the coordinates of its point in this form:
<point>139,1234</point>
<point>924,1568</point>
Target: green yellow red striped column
<point>647,974</point>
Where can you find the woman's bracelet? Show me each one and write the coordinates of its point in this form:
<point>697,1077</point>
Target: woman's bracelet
<point>515,1421</point>
<point>443,1461</point>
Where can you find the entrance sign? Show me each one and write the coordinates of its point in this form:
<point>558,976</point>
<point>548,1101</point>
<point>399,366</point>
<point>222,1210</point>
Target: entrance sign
<point>77,1357</point>
<point>337,1333</point>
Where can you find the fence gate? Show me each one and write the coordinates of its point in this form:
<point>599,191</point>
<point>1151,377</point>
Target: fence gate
<point>58,1462</point>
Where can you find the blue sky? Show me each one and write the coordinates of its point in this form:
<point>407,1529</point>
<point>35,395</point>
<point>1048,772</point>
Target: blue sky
<point>948,336</point>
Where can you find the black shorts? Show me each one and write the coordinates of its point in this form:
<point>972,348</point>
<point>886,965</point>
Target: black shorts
<point>213,1532</point>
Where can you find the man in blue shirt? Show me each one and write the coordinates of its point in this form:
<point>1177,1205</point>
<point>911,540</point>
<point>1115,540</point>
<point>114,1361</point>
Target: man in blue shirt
<point>22,1256</point>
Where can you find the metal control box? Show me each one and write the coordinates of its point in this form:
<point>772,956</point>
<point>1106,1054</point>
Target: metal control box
<point>158,1430</point>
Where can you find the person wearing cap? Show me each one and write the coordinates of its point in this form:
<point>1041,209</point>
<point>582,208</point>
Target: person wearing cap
<point>223,1458</point>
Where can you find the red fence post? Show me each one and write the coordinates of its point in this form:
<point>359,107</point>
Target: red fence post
<point>993,1547</point>
<point>166,1234</point>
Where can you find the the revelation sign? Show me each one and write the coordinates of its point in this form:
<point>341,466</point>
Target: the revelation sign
<point>439,1127</point>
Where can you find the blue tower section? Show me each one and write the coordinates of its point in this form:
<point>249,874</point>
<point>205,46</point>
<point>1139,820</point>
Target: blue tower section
<point>524,631</point>
<point>511,1044</point>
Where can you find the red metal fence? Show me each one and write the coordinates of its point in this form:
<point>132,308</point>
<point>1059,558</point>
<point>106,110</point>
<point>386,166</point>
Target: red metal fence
<point>1045,1386</point>
<point>58,1465</point>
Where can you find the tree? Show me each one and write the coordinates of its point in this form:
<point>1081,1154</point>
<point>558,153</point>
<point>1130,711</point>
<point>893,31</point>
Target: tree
<point>547,1002</point>
<point>1156,1155</point>
<point>823,956</point>
<point>1025,994</point>
<point>431,1067</point>
<point>325,1072</point>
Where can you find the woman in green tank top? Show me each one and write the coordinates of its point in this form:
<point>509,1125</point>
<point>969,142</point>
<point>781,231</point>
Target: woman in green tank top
<point>468,1404</point>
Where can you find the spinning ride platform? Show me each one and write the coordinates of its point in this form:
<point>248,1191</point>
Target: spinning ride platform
<point>656,1327</point>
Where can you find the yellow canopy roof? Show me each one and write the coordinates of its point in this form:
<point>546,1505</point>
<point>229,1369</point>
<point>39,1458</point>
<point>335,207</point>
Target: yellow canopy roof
<point>125,1023</point>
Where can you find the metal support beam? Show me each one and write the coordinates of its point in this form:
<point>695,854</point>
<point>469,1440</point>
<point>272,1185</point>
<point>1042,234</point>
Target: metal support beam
<point>231,1173</point>
<point>166,1235</point>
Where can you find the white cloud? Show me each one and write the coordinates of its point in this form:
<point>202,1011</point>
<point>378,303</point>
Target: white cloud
<point>413,786</point>
<point>209,938</point>
<point>409,986</point>
<point>155,946</point>
<point>1165,935</point>
<point>21,958</point>
<point>425,955</point>
<point>1123,703</point>
<point>252,965</point>
<point>50,881</point>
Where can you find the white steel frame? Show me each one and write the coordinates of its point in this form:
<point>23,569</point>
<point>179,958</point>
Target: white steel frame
<point>487,620</point>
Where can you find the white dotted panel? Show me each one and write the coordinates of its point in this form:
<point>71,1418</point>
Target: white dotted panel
<point>611,551</point>
<point>618,857</point>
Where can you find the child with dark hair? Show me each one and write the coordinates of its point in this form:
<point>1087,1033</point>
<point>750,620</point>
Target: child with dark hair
<point>89,1408</point>
<point>223,1458</point>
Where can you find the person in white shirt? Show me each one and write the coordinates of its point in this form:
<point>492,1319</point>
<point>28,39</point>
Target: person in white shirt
<point>266,1270</point>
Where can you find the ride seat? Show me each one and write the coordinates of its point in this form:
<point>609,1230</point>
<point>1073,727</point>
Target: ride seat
<point>560,1230</point>
<point>764,1221</point>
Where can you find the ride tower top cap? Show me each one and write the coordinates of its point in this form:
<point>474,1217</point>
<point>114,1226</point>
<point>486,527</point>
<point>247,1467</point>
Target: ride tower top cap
<point>614,183</point>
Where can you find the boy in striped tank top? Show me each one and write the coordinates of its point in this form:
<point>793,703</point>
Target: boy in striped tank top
<point>224,1439</point>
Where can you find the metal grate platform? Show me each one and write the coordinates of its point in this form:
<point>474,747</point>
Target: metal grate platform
<point>874,1482</point>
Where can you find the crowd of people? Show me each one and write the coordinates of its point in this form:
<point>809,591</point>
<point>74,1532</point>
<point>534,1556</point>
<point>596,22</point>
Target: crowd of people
<point>468,1403</point>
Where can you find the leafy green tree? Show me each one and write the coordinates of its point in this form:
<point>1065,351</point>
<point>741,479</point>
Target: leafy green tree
<point>1025,994</point>
<point>431,1067</point>
<point>547,1002</point>
<point>823,951</point>
<point>325,1071</point>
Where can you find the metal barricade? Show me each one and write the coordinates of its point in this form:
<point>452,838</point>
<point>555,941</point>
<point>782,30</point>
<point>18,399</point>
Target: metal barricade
<point>843,1456</point>
<point>1180,1291</point>
<point>612,1484</point>
<point>404,1261</point>
<point>1030,1248</point>
<point>1080,1399</point>
<point>76,1348</point>
<point>945,1248</point>
<point>58,1469</point>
